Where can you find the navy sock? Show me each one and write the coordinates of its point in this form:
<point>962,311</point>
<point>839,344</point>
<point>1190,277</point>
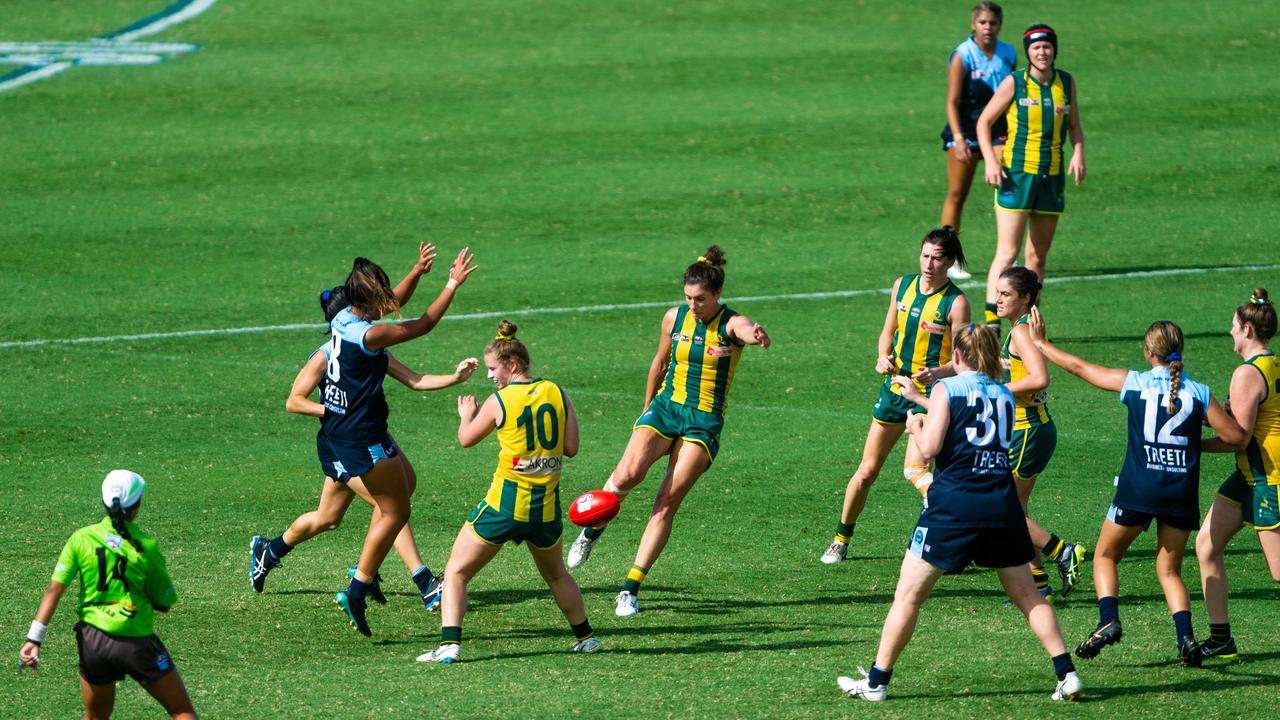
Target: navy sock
<point>1108,609</point>
<point>594,533</point>
<point>451,635</point>
<point>278,548</point>
<point>1062,665</point>
<point>357,589</point>
<point>1053,548</point>
<point>1220,632</point>
<point>1182,624</point>
<point>879,677</point>
<point>582,630</point>
<point>422,577</point>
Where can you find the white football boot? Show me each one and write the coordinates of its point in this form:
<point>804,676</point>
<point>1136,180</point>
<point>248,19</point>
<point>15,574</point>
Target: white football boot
<point>862,688</point>
<point>835,553</point>
<point>445,654</point>
<point>627,604</point>
<point>590,645</point>
<point>580,550</point>
<point>1069,688</point>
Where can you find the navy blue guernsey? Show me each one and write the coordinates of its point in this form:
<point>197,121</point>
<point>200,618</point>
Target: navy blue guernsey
<point>973,485</point>
<point>355,410</point>
<point>1161,472</point>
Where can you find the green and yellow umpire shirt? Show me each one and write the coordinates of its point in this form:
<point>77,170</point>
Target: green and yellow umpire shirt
<point>120,585</point>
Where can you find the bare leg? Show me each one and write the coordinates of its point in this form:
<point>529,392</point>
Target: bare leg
<point>1270,542</point>
<point>1113,541</point>
<point>335,498</point>
<point>959,179</point>
<point>643,450</point>
<point>1040,234</point>
<point>1021,589</point>
<point>563,588</point>
<point>386,484</point>
<point>880,440</point>
<point>688,462</point>
<point>99,700</point>
<point>405,544</point>
<point>1221,523</point>
<point>468,556</point>
<point>1010,227</point>
<point>172,696</point>
<point>915,581</point>
<point>1172,544</point>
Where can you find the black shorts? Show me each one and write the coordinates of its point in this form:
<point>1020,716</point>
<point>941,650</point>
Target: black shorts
<point>106,659</point>
<point>1138,518</point>
<point>951,549</point>
<point>342,462</point>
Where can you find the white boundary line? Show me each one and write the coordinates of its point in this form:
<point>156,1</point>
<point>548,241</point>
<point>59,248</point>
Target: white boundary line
<point>1176,272</point>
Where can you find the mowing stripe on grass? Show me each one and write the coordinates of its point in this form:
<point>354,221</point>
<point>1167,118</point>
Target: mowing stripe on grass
<point>831,294</point>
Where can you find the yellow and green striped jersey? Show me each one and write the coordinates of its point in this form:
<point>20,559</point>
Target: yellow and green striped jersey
<point>1038,119</point>
<point>1030,408</point>
<point>923,338</point>
<point>1260,461</point>
<point>526,484</point>
<point>704,357</point>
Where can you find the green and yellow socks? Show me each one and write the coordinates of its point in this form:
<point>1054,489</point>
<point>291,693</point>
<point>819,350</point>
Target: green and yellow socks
<point>635,576</point>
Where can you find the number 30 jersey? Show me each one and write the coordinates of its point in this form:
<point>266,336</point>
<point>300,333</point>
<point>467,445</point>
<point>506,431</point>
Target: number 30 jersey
<point>1161,472</point>
<point>973,486</point>
<point>526,484</point>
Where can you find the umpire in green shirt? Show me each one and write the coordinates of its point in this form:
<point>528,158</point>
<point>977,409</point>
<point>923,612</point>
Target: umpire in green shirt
<point>123,581</point>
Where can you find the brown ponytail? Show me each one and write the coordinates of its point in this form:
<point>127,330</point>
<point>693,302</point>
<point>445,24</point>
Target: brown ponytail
<point>980,348</point>
<point>1164,342</point>
<point>368,289</point>
<point>506,348</point>
<point>708,271</point>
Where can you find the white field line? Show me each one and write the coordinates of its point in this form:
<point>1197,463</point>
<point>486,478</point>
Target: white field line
<point>832,294</point>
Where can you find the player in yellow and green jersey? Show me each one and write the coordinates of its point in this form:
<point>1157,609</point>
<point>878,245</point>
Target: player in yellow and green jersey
<point>1034,434</point>
<point>1042,109</point>
<point>925,310</point>
<point>685,399</point>
<point>1249,497</point>
<point>537,430</point>
<point>123,582</point>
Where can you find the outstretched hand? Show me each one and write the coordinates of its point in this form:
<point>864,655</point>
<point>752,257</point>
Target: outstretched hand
<point>1036,325</point>
<point>463,266</point>
<point>467,408</point>
<point>465,369</point>
<point>426,257</point>
<point>760,336</point>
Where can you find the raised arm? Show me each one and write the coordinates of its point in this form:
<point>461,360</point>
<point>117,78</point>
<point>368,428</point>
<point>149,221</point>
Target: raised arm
<point>747,332</point>
<point>417,381</point>
<point>1075,168</point>
<point>405,289</point>
<point>999,103</point>
<point>955,88</point>
<point>29,655</point>
<point>658,367</point>
<point>1103,378</point>
<point>382,336</point>
<point>475,425</point>
<point>304,384</point>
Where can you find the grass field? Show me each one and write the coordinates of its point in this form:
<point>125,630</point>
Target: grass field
<point>587,152</point>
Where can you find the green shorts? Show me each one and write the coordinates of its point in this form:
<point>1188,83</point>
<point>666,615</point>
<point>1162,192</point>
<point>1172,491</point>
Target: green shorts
<point>496,528</point>
<point>1259,504</point>
<point>891,408</point>
<point>1031,449</point>
<point>673,421</point>
<point>1025,192</point>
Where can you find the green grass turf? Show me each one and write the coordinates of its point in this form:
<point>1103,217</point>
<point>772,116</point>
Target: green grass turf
<point>588,151</point>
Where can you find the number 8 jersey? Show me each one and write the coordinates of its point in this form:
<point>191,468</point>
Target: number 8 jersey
<point>1161,472</point>
<point>973,486</point>
<point>526,484</point>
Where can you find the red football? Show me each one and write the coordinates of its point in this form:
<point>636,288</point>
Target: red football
<point>594,508</point>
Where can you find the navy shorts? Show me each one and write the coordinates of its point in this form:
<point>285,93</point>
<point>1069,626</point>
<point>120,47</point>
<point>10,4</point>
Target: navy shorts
<point>106,659</point>
<point>343,462</point>
<point>1134,518</point>
<point>951,549</point>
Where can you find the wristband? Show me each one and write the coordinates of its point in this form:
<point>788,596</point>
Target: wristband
<point>452,284</point>
<point>37,631</point>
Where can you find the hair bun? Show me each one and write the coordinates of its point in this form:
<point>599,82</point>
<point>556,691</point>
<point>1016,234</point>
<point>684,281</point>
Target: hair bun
<point>714,256</point>
<point>1260,296</point>
<point>506,330</point>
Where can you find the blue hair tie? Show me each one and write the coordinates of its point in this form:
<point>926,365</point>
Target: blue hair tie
<point>325,295</point>
<point>1173,357</point>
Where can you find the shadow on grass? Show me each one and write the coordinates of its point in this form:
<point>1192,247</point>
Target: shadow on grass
<point>699,648</point>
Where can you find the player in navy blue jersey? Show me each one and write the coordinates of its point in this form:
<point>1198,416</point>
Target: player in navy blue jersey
<point>1160,478</point>
<point>353,441</point>
<point>972,512</point>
